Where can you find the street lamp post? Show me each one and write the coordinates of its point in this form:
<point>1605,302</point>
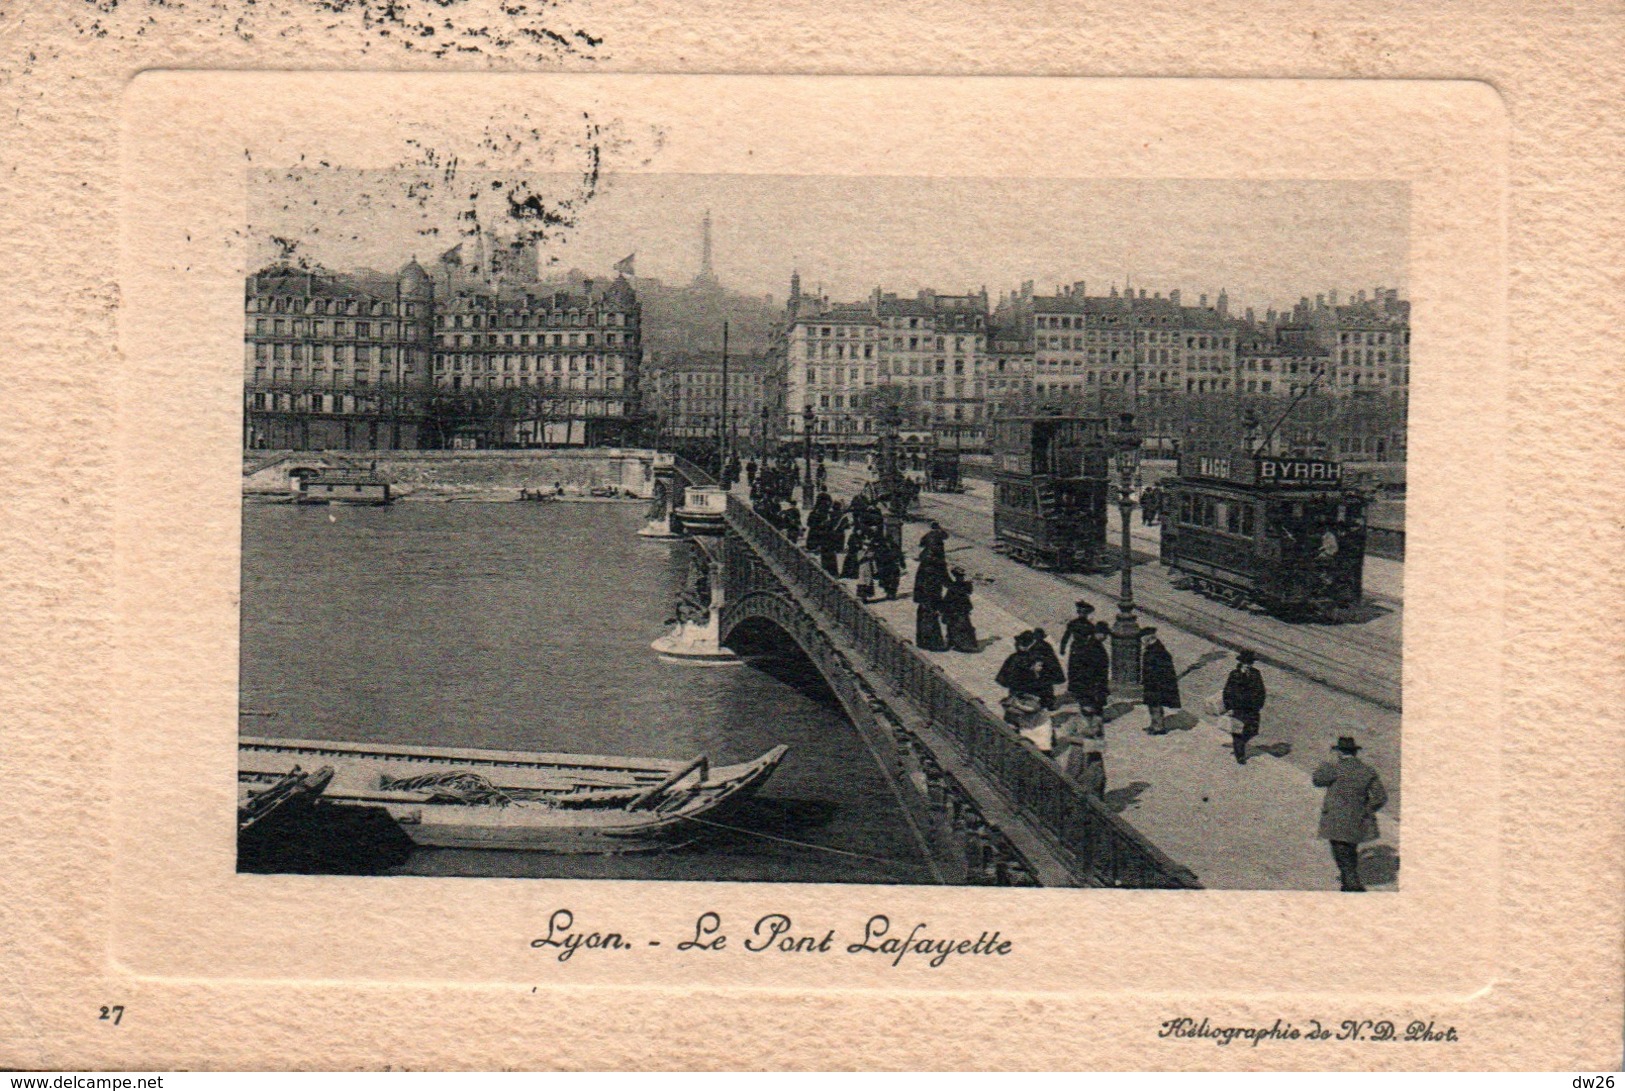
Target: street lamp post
<point>1125,442</point>
<point>806,439</point>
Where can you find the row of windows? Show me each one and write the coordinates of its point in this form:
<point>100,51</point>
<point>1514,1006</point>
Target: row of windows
<point>1370,338</point>
<point>321,353</point>
<point>1230,517</point>
<point>299,327</point>
<point>577,362</point>
<point>1370,357</point>
<point>296,305</point>
<point>319,376</point>
<point>476,340</point>
<point>596,407</point>
<point>531,319</point>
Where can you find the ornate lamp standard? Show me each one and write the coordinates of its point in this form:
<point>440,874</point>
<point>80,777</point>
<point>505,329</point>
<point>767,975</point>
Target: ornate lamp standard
<point>1125,441</point>
<point>806,440</point>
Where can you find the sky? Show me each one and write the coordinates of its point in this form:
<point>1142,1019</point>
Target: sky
<point>1266,242</point>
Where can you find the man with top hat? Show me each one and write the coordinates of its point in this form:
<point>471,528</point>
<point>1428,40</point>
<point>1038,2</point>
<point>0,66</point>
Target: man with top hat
<point>1243,702</point>
<point>1159,685</point>
<point>1348,817</point>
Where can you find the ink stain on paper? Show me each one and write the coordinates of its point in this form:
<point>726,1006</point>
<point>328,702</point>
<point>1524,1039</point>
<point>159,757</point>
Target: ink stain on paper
<point>527,31</point>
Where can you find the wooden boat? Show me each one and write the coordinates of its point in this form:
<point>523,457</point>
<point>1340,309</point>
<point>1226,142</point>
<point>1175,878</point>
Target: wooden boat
<point>499,799</point>
<point>293,791</point>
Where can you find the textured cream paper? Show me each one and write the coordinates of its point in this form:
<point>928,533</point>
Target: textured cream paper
<point>124,857</point>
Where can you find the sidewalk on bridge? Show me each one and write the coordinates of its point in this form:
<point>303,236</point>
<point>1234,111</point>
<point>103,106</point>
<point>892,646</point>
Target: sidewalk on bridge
<point>1251,827</point>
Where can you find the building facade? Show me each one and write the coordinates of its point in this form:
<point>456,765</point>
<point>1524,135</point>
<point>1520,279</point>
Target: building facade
<point>333,360</point>
<point>927,354</point>
<point>357,360</point>
<point>683,392</point>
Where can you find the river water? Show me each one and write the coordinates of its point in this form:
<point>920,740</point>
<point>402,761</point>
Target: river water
<point>527,627</point>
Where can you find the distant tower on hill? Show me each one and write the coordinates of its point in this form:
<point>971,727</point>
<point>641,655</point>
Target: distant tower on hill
<point>707,277</point>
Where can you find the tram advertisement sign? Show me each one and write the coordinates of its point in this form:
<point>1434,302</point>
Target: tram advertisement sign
<point>1298,471</point>
<point>1246,470</point>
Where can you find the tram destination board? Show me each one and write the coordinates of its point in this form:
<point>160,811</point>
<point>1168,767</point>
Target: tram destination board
<point>1262,471</point>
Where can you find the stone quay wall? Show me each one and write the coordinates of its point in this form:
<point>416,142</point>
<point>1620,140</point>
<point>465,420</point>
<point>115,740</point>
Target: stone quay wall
<point>498,473</point>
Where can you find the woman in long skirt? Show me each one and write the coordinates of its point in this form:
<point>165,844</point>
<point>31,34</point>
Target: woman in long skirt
<point>956,612</point>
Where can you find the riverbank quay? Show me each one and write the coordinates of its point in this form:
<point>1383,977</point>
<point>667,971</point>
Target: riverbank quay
<point>490,475</point>
<point>1250,826</point>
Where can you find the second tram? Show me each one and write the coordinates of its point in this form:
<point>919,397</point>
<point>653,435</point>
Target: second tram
<point>1285,534</point>
<point>1050,490</point>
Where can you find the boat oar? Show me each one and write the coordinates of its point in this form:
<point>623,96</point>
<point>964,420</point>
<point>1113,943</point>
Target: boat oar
<point>644,799</point>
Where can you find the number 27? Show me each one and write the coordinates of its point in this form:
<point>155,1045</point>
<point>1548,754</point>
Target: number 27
<point>115,1013</point>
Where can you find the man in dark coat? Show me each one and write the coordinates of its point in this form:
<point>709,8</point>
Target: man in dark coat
<point>1244,701</point>
<point>792,521</point>
<point>1049,669</point>
<point>1159,684</point>
<point>1075,636</point>
<point>750,473</point>
<point>1354,795</point>
<point>935,540</point>
<point>1018,673</point>
<point>1089,671</point>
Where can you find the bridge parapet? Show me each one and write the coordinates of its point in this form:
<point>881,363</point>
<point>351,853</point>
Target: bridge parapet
<point>1095,846</point>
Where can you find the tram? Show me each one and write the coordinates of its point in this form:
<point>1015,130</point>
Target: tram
<point>1050,489</point>
<point>942,471</point>
<point>1285,534</point>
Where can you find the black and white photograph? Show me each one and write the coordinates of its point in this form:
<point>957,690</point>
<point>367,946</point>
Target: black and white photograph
<point>823,529</point>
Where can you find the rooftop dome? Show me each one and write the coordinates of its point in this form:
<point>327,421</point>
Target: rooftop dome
<point>414,281</point>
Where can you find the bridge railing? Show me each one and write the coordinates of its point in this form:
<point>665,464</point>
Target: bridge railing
<point>1097,843</point>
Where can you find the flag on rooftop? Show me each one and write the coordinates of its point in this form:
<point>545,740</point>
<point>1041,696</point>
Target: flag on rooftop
<point>626,265</point>
<point>454,256</point>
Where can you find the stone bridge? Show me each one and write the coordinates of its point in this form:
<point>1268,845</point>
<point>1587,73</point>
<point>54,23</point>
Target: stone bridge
<point>985,805</point>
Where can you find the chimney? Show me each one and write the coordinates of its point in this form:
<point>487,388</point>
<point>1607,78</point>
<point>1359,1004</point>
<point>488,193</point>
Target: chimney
<point>1173,297</point>
<point>1077,288</point>
<point>1331,297</point>
<point>1202,301</point>
<point>1142,293</point>
<point>1224,304</point>
<point>586,287</point>
<point>1359,297</point>
<point>1114,291</point>
<point>1320,302</point>
<point>1251,321</point>
<point>1154,295</point>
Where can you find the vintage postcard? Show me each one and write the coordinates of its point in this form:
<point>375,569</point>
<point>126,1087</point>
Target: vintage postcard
<point>721,547</point>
